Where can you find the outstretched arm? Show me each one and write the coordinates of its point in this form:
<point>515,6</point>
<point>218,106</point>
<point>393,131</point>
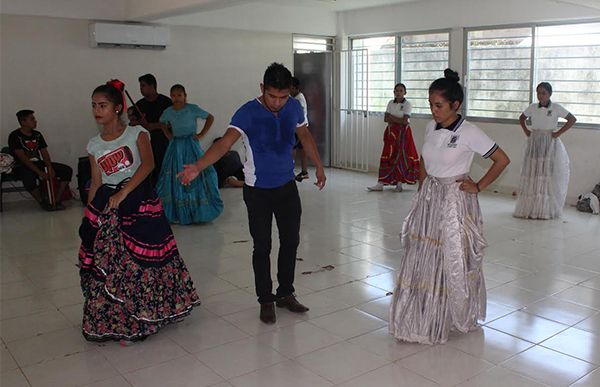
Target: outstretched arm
<point>212,155</point>
<point>308,143</point>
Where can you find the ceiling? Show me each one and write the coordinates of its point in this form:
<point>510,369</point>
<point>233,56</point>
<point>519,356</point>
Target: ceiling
<point>148,9</point>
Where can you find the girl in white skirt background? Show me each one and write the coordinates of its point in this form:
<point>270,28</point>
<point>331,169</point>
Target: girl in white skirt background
<point>440,285</point>
<point>545,172</point>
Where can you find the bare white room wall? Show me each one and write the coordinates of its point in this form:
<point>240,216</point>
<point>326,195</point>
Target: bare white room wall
<point>582,144</point>
<point>47,65</point>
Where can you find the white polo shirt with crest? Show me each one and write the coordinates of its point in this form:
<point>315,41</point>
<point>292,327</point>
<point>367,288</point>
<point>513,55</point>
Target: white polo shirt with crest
<point>449,152</point>
<point>545,118</point>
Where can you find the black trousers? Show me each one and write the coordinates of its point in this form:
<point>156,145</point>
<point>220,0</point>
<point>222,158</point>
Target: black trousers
<point>30,179</point>
<point>262,204</point>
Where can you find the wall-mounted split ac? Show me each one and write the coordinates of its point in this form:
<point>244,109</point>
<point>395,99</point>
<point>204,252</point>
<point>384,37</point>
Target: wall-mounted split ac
<point>128,35</point>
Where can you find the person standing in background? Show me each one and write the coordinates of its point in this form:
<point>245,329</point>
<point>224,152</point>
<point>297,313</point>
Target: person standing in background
<point>545,172</point>
<point>298,149</point>
<point>200,202</point>
<point>399,161</point>
<point>152,106</point>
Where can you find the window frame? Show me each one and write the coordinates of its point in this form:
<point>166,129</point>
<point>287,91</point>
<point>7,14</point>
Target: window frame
<point>398,60</point>
<point>532,69</point>
<point>330,43</point>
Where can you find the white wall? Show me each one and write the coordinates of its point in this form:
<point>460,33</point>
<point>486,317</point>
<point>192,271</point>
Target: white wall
<point>582,144</point>
<point>50,68</point>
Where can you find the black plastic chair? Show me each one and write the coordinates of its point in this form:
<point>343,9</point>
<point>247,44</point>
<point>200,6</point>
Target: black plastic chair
<point>12,180</point>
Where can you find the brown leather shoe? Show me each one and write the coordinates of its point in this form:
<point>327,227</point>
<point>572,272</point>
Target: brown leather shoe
<point>291,304</point>
<point>267,313</point>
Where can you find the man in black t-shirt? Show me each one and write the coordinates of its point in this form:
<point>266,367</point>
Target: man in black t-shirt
<point>30,150</point>
<point>230,169</point>
<point>152,106</point>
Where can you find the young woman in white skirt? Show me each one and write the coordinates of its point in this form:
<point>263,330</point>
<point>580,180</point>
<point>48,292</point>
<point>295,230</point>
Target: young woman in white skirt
<point>545,172</point>
<point>440,285</point>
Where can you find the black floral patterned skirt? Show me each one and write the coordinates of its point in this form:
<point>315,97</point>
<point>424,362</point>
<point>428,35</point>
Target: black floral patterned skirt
<point>133,279</point>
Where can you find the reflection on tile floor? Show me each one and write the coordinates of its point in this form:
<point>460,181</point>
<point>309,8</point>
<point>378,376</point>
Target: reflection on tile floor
<point>542,327</point>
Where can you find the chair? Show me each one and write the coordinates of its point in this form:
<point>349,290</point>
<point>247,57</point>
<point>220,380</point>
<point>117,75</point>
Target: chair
<point>11,179</point>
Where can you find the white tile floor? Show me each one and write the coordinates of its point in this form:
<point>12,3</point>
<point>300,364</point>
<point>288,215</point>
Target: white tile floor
<point>543,326</point>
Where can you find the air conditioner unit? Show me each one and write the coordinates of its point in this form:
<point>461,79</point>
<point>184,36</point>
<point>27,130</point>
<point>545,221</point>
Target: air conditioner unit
<point>128,35</point>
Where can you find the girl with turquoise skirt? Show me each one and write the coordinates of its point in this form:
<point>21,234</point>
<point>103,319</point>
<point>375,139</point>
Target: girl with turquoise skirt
<point>199,202</point>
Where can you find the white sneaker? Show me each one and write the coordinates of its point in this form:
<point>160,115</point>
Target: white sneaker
<point>399,187</point>
<point>376,187</point>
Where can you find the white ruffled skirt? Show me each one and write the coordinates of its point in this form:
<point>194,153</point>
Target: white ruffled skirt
<point>440,285</point>
<point>544,177</point>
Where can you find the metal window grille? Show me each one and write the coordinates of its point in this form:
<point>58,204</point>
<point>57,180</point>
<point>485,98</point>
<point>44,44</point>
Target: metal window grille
<point>423,59</point>
<point>498,67</point>
<point>305,44</point>
<point>504,65</point>
<point>415,59</point>
<point>568,56</point>
<point>381,72</point>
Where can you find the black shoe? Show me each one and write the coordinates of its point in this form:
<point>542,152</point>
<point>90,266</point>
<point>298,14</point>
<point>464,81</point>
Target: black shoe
<point>301,176</point>
<point>46,206</point>
<point>267,313</point>
<point>291,304</point>
<point>59,207</point>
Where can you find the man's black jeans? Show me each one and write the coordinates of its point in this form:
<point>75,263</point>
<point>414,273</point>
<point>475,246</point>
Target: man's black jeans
<point>262,204</point>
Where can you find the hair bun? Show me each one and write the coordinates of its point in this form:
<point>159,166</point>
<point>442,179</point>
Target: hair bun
<point>117,84</point>
<point>451,75</point>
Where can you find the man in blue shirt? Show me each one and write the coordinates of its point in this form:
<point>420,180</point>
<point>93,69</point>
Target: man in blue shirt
<point>267,125</point>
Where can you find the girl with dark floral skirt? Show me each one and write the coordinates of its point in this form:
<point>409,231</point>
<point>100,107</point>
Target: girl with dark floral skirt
<point>133,279</point>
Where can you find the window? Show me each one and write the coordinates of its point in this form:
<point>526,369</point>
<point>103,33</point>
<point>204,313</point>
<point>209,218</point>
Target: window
<point>505,65</point>
<point>305,44</point>
<point>415,60</point>
<point>568,56</point>
<point>380,71</point>
<point>423,59</point>
<point>498,68</point>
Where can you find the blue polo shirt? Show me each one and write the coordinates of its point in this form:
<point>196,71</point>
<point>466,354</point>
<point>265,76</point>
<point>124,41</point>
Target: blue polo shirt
<point>268,139</point>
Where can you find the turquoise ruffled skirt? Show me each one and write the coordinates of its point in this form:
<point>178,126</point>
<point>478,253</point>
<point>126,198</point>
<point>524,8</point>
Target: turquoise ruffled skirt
<point>198,202</point>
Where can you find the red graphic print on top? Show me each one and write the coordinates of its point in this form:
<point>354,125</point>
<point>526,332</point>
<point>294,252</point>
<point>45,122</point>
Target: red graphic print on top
<point>117,160</point>
<point>32,145</point>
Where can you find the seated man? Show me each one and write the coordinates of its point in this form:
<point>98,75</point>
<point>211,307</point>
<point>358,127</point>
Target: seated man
<point>230,169</point>
<point>33,161</point>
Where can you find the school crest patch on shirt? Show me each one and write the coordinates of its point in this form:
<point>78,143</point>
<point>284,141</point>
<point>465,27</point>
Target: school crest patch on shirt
<point>453,140</point>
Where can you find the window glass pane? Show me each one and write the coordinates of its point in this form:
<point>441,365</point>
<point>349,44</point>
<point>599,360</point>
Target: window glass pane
<point>423,59</point>
<point>305,44</point>
<point>380,72</point>
<point>568,56</point>
<point>498,68</point>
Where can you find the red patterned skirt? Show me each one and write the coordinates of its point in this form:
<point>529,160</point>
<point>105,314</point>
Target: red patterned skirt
<point>399,161</point>
<point>132,277</point>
